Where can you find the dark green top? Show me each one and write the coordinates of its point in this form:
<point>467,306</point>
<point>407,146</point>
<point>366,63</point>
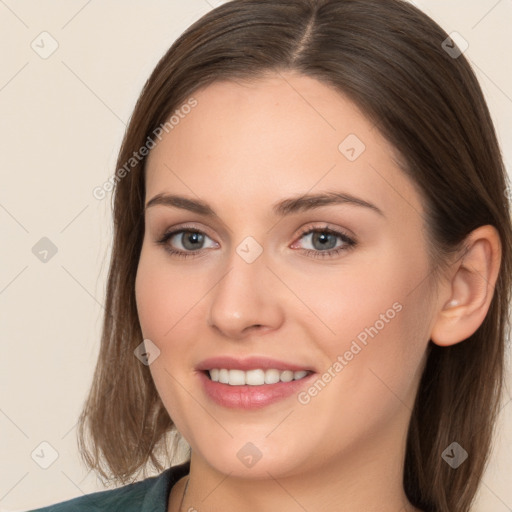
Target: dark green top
<point>150,495</point>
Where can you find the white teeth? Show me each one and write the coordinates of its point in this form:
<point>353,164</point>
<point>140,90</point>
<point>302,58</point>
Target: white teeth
<point>254,377</point>
<point>287,376</point>
<point>272,376</point>
<point>223,376</point>
<point>236,377</point>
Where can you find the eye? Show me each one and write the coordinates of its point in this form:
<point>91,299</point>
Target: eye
<point>325,239</point>
<point>191,241</point>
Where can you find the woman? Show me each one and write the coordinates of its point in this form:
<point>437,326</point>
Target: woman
<point>310,277</point>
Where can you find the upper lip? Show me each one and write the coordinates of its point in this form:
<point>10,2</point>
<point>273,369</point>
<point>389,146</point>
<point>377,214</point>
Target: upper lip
<point>249,363</point>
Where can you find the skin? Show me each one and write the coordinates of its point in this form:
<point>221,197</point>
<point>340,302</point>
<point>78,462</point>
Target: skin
<point>241,149</point>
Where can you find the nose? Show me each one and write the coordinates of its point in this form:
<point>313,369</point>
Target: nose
<point>248,298</point>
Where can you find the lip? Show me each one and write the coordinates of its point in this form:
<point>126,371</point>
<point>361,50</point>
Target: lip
<point>250,397</point>
<point>249,363</point>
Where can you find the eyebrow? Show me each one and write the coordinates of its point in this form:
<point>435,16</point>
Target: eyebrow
<point>281,208</point>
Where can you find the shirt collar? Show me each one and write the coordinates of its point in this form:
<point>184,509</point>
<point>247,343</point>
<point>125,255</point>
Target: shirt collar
<point>157,497</point>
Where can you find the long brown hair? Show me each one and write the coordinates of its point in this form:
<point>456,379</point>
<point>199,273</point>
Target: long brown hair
<point>389,58</point>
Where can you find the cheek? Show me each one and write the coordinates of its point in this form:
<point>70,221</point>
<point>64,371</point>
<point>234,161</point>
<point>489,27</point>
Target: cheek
<point>162,305</point>
<point>372,382</point>
<point>360,300</point>
<point>163,296</point>
<point>377,320</point>
<point>150,297</point>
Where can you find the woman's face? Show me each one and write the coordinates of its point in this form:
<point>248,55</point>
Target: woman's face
<point>263,286</point>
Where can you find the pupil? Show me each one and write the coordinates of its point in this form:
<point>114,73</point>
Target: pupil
<point>195,237</point>
<point>322,237</point>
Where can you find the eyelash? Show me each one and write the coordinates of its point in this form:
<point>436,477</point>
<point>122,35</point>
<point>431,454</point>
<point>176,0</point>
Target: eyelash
<point>331,253</point>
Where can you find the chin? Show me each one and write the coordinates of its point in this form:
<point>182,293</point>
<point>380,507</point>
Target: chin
<point>256,459</point>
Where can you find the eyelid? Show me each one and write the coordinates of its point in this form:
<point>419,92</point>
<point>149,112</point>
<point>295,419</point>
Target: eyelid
<point>312,226</point>
<point>325,226</point>
<point>171,232</point>
<point>349,240</point>
<point>187,227</point>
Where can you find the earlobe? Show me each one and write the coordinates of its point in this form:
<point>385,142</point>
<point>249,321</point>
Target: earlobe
<point>470,290</point>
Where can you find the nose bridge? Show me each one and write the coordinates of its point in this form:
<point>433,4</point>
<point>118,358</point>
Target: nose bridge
<point>244,296</point>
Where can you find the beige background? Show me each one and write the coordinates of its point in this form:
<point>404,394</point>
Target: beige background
<point>62,122</point>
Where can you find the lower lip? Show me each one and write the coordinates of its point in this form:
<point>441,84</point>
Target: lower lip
<point>251,397</point>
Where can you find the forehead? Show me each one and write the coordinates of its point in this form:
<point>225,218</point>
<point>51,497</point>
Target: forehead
<point>280,135</point>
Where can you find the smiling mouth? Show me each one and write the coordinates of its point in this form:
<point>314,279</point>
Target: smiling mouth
<point>256,377</point>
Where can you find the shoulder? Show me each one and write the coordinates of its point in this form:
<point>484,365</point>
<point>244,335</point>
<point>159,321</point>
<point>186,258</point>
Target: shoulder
<point>151,494</point>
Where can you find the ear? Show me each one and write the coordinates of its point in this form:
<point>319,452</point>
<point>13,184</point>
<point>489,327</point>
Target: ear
<point>466,297</point>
